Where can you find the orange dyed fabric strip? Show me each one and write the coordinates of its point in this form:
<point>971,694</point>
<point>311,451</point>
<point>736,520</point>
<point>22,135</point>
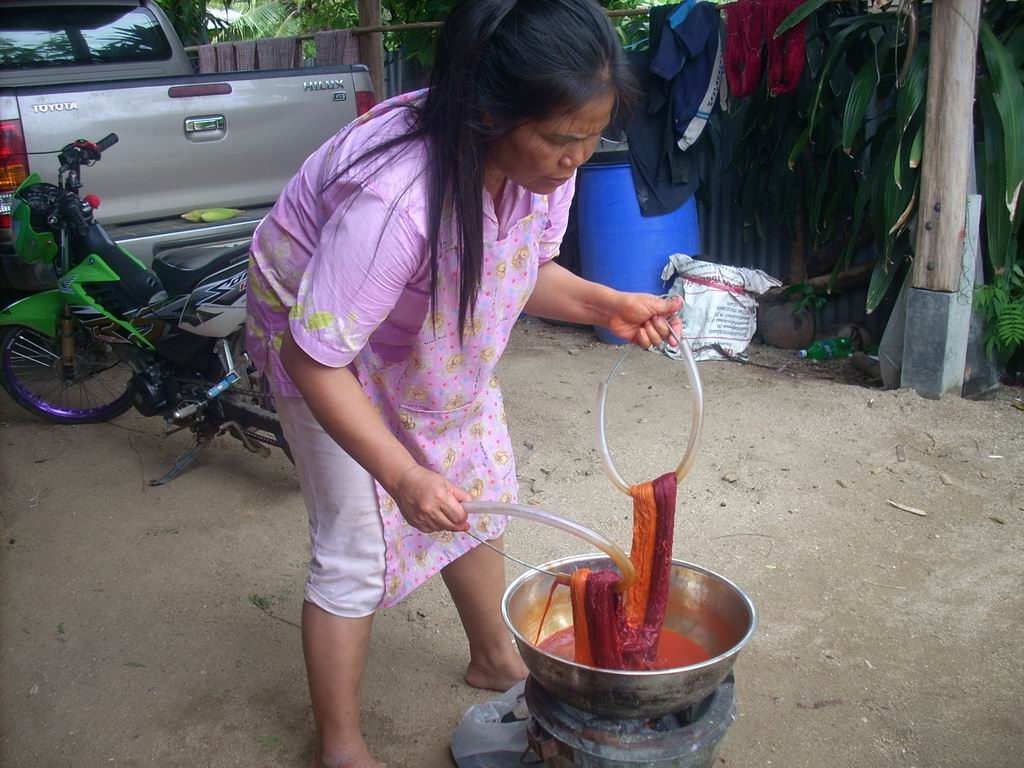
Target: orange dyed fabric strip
<point>581,629</point>
<point>617,633</point>
<point>645,521</point>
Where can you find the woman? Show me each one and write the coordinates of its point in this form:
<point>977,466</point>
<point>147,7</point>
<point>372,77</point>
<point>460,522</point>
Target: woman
<point>382,290</point>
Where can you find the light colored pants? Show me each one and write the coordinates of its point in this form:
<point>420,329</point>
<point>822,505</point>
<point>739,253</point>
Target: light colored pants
<point>346,566</point>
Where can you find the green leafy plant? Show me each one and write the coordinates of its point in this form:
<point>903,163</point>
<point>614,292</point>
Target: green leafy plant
<point>419,44</point>
<point>805,298</point>
<point>1003,305</point>
<point>633,31</point>
<point>259,19</point>
<point>189,18</point>
<point>840,156</point>
<point>316,15</point>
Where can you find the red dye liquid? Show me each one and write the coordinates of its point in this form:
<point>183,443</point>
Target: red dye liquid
<point>544,616</point>
<point>673,650</point>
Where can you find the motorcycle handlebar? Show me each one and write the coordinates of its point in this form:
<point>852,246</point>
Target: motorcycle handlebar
<point>107,142</point>
<point>71,210</point>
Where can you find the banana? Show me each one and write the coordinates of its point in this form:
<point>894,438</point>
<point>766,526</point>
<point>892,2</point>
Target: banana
<point>209,215</point>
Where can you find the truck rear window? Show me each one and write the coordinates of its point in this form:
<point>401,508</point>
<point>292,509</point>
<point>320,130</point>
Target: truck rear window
<point>62,35</point>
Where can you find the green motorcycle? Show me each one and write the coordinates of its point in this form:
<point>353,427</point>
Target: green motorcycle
<point>115,335</point>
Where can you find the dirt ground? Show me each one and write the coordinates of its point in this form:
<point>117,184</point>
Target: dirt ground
<point>156,627</point>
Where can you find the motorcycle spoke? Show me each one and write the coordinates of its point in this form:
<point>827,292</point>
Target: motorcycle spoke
<point>97,391</point>
<point>24,359</point>
<point>62,395</point>
<point>27,342</point>
<point>31,367</point>
<point>55,387</point>
<point>85,394</point>
<point>43,382</point>
<point>106,386</point>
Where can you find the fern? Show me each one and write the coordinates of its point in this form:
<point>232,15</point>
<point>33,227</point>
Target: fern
<point>1010,324</point>
<point>1002,306</point>
<point>983,297</point>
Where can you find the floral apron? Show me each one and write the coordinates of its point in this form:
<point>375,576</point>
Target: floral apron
<point>445,405</point>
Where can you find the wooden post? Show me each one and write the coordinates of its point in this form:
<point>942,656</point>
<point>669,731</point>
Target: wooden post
<point>371,46</point>
<point>948,144</point>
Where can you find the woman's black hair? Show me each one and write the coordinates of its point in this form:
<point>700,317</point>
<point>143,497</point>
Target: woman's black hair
<point>499,64</point>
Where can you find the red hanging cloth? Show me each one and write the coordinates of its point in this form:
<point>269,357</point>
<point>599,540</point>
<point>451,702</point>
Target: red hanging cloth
<point>785,53</point>
<point>744,41</point>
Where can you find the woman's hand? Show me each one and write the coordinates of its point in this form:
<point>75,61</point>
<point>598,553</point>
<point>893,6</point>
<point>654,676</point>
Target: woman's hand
<point>428,502</point>
<point>642,318</point>
<point>645,319</point>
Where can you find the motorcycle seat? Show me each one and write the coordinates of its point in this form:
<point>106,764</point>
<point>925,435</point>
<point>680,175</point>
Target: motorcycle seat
<point>136,286</point>
<point>181,269</point>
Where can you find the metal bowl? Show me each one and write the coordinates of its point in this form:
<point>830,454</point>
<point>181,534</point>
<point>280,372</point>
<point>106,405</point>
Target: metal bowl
<point>702,605</point>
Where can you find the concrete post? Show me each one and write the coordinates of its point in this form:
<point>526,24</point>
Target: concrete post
<point>935,343</point>
<point>938,324</point>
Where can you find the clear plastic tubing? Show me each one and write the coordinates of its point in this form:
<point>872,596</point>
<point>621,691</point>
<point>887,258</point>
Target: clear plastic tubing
<point>624,564</point>
<point>696,420</point>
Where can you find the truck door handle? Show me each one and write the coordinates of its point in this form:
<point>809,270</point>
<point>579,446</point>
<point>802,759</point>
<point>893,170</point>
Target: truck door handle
<point>205,123</point>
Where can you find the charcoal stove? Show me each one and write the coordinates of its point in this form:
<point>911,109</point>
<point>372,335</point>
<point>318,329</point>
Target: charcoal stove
<point>563,736</point>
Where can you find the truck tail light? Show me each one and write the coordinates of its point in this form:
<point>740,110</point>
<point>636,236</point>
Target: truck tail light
<point>365,101</point>
<point>13,166</point>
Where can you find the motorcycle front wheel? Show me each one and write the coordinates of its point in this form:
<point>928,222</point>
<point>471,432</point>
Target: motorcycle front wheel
<point>32,372</point>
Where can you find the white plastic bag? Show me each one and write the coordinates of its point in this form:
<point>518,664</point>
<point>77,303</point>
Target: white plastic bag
<point>493,735</point>
<point>719,309</point>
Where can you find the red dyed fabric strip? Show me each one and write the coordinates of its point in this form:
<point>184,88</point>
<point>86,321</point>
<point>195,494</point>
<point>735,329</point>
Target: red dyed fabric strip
<point>605,616</point>
<point>661,571</point>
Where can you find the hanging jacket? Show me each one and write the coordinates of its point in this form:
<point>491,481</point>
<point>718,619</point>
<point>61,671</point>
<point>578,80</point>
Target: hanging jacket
<point>664,175</point>
<point>689,57</point>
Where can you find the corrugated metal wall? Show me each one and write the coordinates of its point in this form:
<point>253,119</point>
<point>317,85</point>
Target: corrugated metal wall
<point>726,241</point>
<point>402,75</point>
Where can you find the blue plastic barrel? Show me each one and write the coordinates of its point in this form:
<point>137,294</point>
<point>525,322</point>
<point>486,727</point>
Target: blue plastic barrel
<point>621,248</point>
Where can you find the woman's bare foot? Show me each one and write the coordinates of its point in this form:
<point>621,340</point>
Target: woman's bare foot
<point>358,757</point>
<point>498,675</point>
<point>476,581</point>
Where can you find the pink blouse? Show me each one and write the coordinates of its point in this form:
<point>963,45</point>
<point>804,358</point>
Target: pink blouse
<point>344,262</point>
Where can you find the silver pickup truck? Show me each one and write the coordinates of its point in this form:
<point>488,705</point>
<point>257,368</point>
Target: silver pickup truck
<point>71,69</point>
